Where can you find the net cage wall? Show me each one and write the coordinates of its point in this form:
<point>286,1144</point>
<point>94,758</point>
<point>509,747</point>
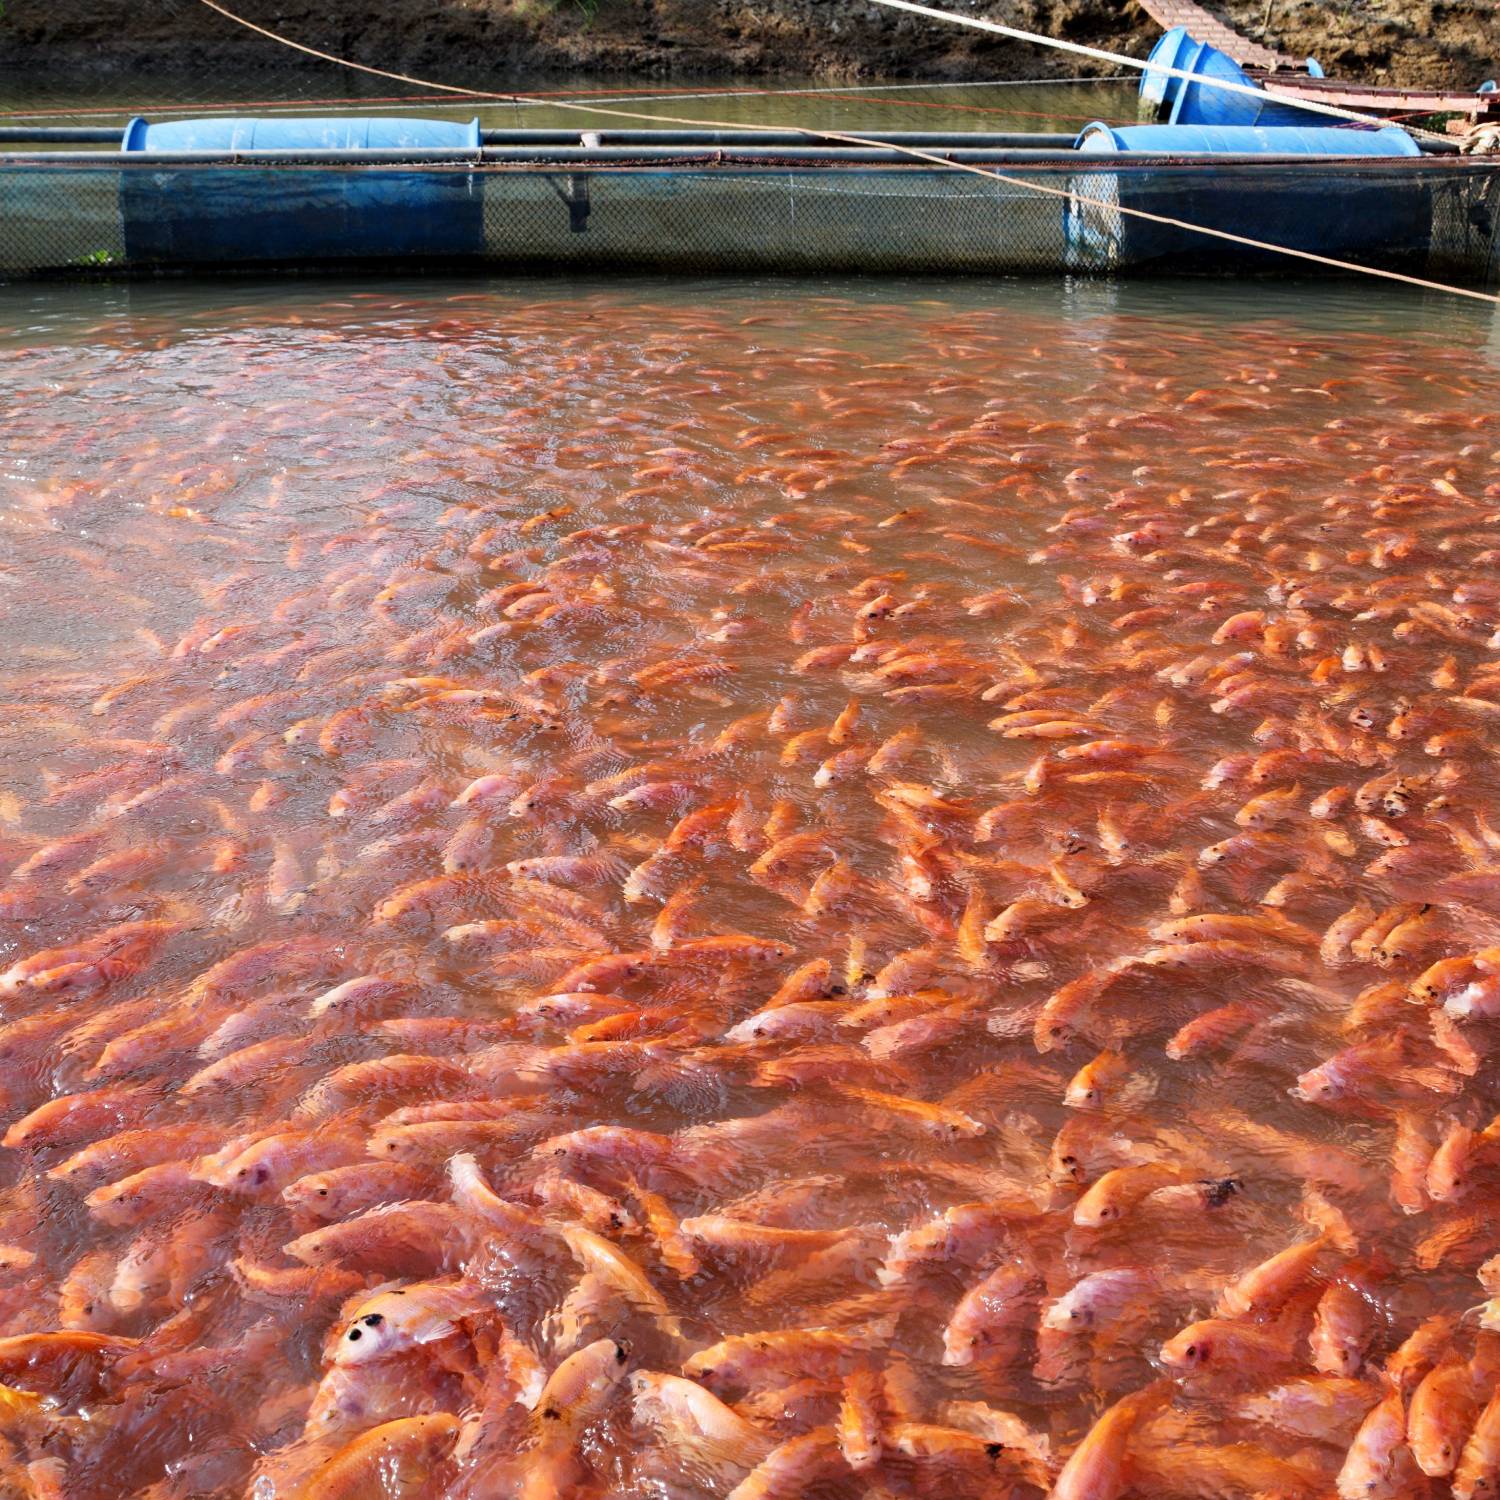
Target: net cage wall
<point>63,215</point>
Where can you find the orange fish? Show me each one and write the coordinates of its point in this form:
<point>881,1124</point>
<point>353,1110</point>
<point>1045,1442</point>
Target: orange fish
<point>1099,1467</point>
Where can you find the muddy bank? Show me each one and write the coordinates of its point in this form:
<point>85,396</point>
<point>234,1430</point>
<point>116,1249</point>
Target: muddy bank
<point>496,41</point>
<point>1436,42</point>
<point>490,42</point>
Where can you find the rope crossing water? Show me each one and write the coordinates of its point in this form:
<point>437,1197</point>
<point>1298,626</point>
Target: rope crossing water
<point>912,151</point>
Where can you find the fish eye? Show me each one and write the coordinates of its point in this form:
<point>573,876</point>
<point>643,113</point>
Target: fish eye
<point>354,1335</point>
<point>322,1192</point>
<point>373,1320</point>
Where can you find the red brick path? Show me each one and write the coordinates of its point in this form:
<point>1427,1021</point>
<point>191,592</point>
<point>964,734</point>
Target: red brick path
<point>1207,28</point>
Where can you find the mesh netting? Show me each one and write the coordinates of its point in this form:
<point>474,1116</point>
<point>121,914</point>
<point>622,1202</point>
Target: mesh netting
<point>75,64</point>
<point>1438,216</point>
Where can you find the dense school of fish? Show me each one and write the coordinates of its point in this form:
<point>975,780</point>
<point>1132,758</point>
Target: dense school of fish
<point>807,897</point>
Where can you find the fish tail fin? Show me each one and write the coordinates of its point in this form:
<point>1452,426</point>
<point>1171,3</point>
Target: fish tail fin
<point>1329,1220</point>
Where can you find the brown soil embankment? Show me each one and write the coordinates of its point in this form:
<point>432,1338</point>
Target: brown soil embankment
<point>490,42</point>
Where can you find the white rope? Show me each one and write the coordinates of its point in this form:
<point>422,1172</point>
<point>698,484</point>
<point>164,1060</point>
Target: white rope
<point>911,151</point>
<point>1101,54</point>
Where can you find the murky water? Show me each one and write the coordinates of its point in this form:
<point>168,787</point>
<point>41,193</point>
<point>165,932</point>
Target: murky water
<point>909,821</point>
<point>873,106</point>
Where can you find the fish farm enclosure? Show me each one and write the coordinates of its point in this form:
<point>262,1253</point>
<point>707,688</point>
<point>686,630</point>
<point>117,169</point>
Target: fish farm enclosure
<point>712,816</point>
<point>714,203</point>
<point>1229,178</point>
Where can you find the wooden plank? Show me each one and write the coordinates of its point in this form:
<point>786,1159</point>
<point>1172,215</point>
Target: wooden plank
<point>1376,100</point>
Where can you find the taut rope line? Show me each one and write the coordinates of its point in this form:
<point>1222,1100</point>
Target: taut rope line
<point>912,151</point>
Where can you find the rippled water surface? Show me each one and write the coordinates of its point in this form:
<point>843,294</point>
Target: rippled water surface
<point>780,889</point>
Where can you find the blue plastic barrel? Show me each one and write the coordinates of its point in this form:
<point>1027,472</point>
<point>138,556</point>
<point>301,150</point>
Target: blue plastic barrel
<point>252,212</point>
<point>1100,139</point>
<point>1184,101</point>
<point>1376,207</point>
<point>318,133</point>
<point>1173,51</point>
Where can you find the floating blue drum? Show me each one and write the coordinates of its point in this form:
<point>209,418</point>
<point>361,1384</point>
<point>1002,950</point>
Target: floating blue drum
<point>298,212</point>
<point>1205,175</point>
<point>323,133</point>
<point>1245,140</point>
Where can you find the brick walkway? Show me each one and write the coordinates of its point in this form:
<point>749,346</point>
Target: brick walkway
<point>1207,28</point>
